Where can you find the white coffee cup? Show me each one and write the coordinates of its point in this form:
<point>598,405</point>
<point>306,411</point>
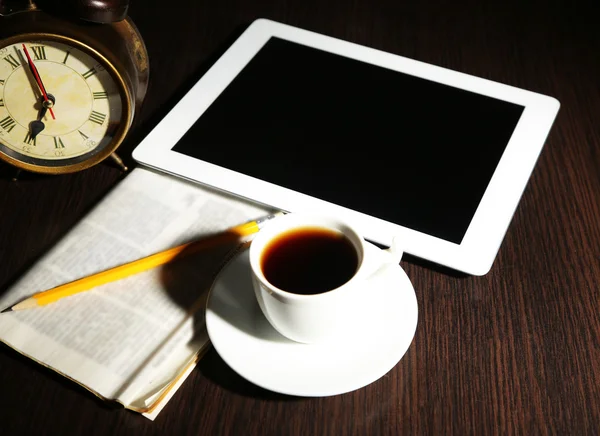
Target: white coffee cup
<point>317,317</point>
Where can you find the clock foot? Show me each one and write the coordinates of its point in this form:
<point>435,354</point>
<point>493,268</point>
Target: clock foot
<point>118,161</point>
<point>15,176</point>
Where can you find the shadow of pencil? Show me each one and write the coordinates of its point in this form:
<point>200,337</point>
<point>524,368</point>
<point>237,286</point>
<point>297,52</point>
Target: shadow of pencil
<point>188,280</point>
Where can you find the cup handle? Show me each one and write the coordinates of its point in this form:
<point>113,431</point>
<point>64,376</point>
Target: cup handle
<point>395,250</point>
<point>389,256</point>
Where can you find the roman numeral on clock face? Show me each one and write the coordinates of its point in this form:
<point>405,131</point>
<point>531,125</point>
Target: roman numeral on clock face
<point>12,61</point>
<point>29,140</point>
<point>97,117</point>
<point>58,142</point>
<point>89,73</point>
<point>39,52</point>
<point>8,123</point>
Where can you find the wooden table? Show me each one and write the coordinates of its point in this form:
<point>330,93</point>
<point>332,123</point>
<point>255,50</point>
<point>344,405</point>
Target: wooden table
<point>516,351</point>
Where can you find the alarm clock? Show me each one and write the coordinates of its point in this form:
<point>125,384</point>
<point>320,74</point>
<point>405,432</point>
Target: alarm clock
<point>73,74</point>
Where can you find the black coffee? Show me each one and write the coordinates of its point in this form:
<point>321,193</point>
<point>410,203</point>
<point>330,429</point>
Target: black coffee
<point>309,261</point>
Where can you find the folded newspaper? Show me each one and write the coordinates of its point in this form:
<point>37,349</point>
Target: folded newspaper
<point>136,340</point>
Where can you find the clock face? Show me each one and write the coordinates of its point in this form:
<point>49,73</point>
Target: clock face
<point>63,110</point>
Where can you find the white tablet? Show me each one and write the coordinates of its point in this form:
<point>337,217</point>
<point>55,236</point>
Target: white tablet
<point>304,122</point>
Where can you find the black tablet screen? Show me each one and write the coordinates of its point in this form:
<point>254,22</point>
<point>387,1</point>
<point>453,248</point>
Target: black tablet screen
<point>391,145</point>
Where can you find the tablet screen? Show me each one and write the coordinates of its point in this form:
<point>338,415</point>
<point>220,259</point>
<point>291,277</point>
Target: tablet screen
<point>394,146</point>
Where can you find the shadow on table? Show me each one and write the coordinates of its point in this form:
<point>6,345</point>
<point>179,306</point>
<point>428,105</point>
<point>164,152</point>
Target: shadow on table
<point>188,280</point>
<point>431,266</point>
<point>42,391</point>
<point>216,370</point>
<point>426,264</point>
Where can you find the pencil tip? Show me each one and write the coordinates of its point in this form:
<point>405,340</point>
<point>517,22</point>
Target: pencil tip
<point>8,309</point>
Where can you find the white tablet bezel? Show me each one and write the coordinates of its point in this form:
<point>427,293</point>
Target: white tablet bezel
<point>479,247</point>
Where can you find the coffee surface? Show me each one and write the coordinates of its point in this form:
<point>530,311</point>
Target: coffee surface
<point>309,261</point>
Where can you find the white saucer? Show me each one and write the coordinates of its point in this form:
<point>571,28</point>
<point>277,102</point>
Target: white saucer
<point>250,346</point>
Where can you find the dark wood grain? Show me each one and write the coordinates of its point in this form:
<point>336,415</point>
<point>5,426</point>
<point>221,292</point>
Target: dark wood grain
<point>515,352</point>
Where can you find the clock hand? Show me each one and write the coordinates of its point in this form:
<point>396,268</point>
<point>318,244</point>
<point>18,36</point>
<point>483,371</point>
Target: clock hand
<point>46,106</point>
<point>38,125</point>
<point>47,102</point>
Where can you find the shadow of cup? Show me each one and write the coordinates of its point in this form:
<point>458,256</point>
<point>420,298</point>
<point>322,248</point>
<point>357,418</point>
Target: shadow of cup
<point>188,280</point>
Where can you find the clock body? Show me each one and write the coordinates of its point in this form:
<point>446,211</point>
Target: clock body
<point>95,76</point>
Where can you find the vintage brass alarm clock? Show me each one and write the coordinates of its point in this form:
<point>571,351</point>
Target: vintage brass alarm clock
<point>73,73</point>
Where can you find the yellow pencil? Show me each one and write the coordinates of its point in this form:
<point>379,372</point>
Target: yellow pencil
<point>143,264</point>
